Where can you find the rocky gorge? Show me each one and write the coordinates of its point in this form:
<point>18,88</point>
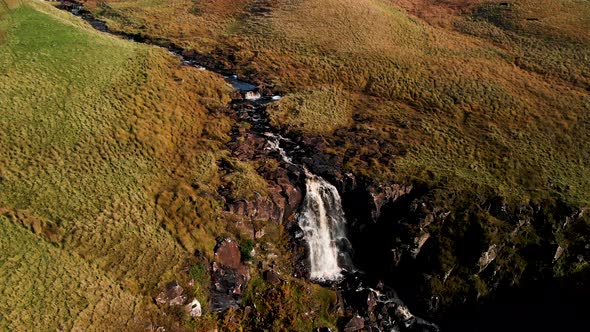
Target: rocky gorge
<point>457,259</point>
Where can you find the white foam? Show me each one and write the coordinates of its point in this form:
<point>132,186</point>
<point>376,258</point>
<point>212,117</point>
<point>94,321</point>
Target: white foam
<point>323,224</point>
<point>251,95</point>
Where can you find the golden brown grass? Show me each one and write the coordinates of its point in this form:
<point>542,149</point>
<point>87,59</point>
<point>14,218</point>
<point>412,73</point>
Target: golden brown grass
<point>547,37</point>
<point>187,22</point>
<point>437,12</point>
<point>482,98</point>
<point>103,149</point>
<point>47,288</point>
<point>318,111</point>
<point>97,132</point>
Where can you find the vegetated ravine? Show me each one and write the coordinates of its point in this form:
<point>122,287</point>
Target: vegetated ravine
<point>320,221</point>
<point>356,265</point>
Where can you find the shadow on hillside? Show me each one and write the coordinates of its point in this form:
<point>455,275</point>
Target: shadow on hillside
<point>548,305</point>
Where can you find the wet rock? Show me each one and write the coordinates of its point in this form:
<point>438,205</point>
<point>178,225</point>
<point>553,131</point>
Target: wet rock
<point>323,329</point>
<point>498,207</point>
<point>299,249</point>
<point>325,164</point>
<point>488,256</point>
<point>172,295</point>
<point>357,323</point>
<point>252,95</point>
<point>379,307</point>
<point>228,285</point>
<point>396,256</point>
<point>371,302</point>
<point>419,243</point>
<point>558,253</point>
<point>290,191</point>
<point>382,195</point>
<point>404,314</point>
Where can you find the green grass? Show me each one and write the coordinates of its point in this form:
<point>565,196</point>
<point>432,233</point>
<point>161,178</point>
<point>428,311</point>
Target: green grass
<point>96,130</point>
<point>46,288</point>
<point>60,157</point>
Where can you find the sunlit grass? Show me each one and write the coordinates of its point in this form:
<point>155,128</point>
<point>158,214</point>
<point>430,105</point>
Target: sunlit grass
<point>319,111</point>
<point>113,150</point>
<point>94,130</point>
<point>474,106</point>
<point>46,288</point>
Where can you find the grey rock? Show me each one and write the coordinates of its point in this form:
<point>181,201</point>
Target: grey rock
<point>357,323</point>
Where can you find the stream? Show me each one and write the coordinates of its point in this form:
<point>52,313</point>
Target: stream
<point>320,218</point>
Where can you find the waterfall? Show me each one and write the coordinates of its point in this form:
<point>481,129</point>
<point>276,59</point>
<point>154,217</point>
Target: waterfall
<point>322,220</point>
<point>323,224</point>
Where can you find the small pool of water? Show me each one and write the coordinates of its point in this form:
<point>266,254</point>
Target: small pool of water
<point>239,85</point>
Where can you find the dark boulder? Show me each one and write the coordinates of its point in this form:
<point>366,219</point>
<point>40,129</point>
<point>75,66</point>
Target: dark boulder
<point>357,323</point>
<point>229,276</point>
<point>271,277</point>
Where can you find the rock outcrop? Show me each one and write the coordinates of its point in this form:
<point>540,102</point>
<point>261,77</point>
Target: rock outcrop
<point>488,256</point>
<point>283,184</point>
<point>356,323</point>
<point>173,294</point>
<point>229,276</point>
<point>378,308</point>
<point>383,195</point>
<point>446,252</point>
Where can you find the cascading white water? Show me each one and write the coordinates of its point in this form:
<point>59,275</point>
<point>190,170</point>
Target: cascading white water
<point>323,224</point>
<point>322,220</point>
<point>274,143</point>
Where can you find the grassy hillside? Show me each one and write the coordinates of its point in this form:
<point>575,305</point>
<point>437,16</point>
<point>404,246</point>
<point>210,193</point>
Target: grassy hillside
<point>471,99</point>
<point>109,150</point>
<point>46,288</point>
<point>102,142</point>
<point>489,97</point>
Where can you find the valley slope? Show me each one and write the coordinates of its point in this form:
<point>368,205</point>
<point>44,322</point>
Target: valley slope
<point>457,132</point>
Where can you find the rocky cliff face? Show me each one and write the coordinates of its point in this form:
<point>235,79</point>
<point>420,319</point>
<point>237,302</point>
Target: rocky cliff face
<point>444,252</point>
<point>447,254</point>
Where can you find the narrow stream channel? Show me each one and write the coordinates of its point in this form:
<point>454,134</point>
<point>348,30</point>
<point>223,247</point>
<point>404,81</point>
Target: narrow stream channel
<point>321,216</point>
